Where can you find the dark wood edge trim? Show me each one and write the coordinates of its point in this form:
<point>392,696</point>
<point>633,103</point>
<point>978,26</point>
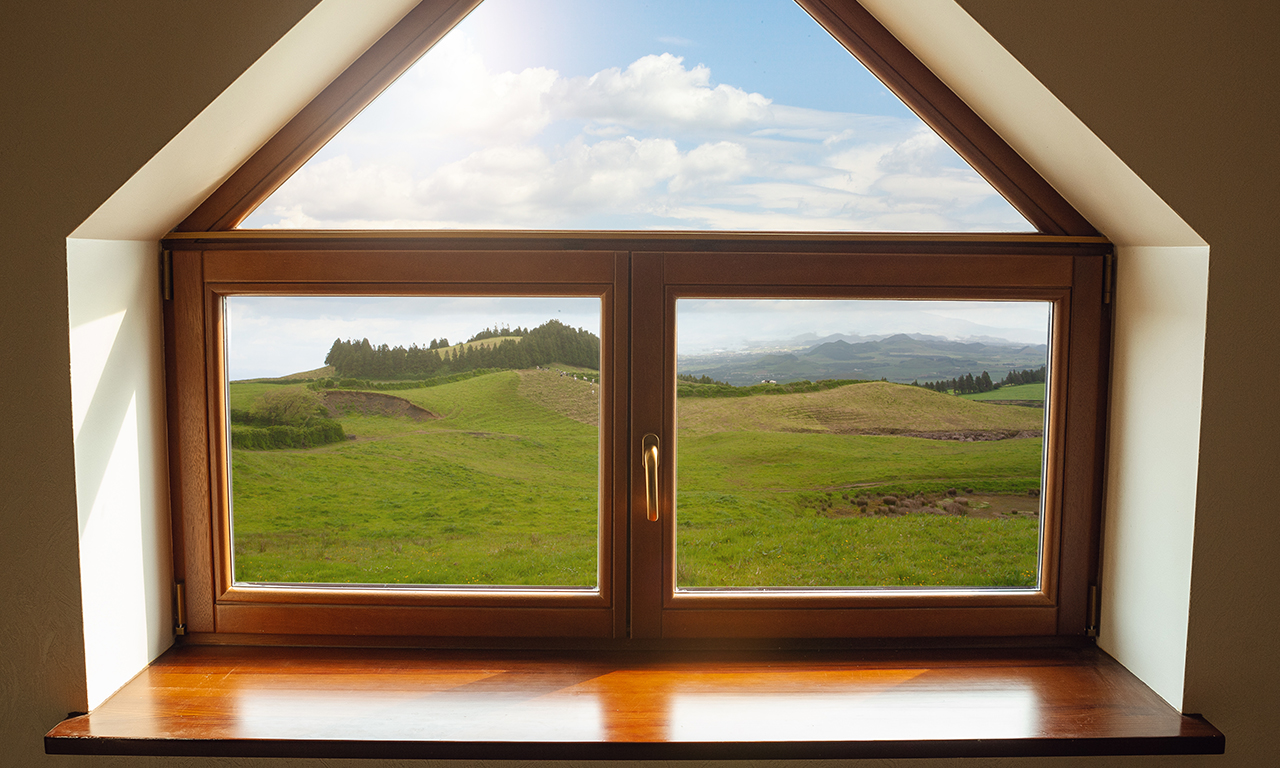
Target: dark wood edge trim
<point>276,236</point>
<point>416,621</point>
<point>621,643</point>
<point>344,596</point>
<point>327,114</point>
<point>947,114</point>
<point>370,243</point>
<point>537,750</point>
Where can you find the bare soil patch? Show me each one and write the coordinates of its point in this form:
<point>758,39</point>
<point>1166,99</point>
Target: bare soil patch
<point>981,505</point>
<point>340,402</point>
<point>962,435</point>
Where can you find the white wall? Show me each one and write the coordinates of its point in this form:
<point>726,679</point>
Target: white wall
<point>118,411</point>
<point>1156,384</point>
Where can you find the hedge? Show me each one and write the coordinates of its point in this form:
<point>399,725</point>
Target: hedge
<point>319,432</point>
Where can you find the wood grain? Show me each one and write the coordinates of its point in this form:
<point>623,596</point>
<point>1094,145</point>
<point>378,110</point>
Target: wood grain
<point>294,702</point>
<point>189,440</point>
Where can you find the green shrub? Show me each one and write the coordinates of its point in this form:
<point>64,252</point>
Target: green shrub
<point>318,432</point>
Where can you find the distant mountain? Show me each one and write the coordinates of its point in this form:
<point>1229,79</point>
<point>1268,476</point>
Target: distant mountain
<point>901,357</point>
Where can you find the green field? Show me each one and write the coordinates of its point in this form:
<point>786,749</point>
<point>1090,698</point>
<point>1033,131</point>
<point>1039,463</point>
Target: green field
<point>498,485</point>
<point>1016,392</point>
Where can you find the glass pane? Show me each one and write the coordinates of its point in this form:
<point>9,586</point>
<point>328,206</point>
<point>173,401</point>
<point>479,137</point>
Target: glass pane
<point>635,115</point>
<point>858,443</point>
<point>414,440</point>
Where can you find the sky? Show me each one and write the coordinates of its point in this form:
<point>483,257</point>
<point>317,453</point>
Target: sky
<point>638,114</point>
<point>270,336</point>
<point>730,325</point>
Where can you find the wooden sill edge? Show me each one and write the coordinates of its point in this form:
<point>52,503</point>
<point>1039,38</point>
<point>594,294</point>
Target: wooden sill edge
<point>598,705</point>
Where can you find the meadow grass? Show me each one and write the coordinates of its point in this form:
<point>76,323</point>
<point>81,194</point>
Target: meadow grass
<point>1033,391</point>
<point>854,408</point>
<point>755,509</point>
<point>502,489</point>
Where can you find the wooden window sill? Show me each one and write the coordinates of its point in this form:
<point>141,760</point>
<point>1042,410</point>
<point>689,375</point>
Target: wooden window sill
<point>387,703</point>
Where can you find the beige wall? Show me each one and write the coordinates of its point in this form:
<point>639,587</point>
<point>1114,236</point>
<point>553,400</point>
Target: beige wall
<point>1184,93</point>
<point>91,92</point>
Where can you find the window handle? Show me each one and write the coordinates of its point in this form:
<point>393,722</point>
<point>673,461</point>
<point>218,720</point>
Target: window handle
<point>649,454</point>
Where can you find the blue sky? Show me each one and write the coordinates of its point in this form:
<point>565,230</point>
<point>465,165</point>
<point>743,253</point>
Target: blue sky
<point>638,114</point>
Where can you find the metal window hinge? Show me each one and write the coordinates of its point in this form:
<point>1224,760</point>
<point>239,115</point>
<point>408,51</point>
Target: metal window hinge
<point>1108,276</point>
<point>166,274</point>
<point>1095,612</point>
<point>180,608</point>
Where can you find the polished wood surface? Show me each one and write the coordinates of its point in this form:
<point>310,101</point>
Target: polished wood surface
<point>633,705</point>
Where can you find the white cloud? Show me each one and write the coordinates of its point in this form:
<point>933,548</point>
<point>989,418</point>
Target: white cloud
<point>652,145</point>
<point>657,91</point>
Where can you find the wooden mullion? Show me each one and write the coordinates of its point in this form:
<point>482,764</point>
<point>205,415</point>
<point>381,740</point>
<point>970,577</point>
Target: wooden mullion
<point>189,441</point>
<point>648,363</point>
<point>619,415</point>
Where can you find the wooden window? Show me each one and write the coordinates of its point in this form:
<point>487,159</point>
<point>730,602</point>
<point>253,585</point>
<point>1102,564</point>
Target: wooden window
<point>638,282</point>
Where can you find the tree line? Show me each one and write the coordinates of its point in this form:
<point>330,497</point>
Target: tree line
<point>969,384</point>
<point>551,342</point>
<point>494,333</point>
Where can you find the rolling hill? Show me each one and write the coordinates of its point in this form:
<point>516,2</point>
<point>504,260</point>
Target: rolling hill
<point>875,407</point>
<point>899,358</point>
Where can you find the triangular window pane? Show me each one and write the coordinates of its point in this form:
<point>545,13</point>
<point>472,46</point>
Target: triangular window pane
<point>638,115</point>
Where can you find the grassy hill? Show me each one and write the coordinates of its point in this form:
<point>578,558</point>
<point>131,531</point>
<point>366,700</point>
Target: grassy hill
<point>1023,392</point>
<point>773,490</point>
<point>899,358</point>
<point>873,407</point>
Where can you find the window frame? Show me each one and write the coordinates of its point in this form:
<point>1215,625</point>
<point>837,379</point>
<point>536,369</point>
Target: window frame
<point>636,604</point>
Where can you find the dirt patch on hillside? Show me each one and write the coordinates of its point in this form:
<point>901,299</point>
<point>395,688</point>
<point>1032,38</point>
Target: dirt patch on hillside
<point>340,402</point>
<point>980,505</point>
<point>962,436</point>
